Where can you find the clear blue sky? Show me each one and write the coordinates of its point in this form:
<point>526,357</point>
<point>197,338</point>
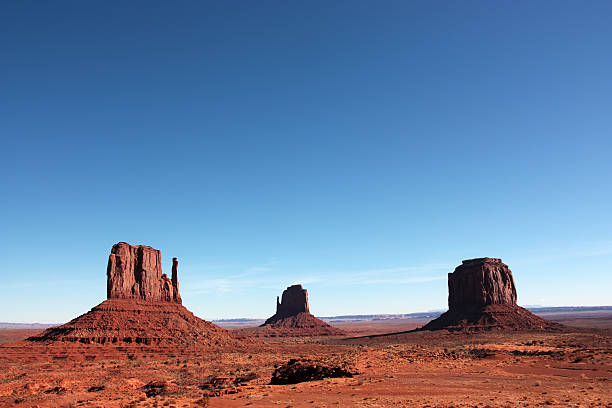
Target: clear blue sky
<point>362,148</point>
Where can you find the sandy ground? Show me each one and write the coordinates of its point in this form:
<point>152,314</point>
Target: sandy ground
<point>423,369</point>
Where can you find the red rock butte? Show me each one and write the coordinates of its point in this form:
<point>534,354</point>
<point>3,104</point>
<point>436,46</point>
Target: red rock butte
<point>293,302</point>
<point>482,296</point>
<point>135,272</point>
<point>293,318</point>
<point>143,306</point>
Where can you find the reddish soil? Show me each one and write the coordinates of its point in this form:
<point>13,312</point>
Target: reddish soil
<point>419,369</point>
<point>12,335</point>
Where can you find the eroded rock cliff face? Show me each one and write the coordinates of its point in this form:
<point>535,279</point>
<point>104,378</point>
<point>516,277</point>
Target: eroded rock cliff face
<point>135,272</point>
<point>480,282</point>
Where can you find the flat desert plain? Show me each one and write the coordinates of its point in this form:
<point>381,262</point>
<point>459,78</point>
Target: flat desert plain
<point>572,368</point>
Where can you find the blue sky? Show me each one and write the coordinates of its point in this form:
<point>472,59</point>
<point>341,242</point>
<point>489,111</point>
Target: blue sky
<point>360,148</point>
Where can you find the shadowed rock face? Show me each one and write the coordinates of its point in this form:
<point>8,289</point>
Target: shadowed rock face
<point>480,282</point>
<point>294,301</point>
<point>135,272</point>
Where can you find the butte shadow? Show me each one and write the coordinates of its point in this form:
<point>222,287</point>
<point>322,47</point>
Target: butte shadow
<point>143,306</point>
<point>292,319</point>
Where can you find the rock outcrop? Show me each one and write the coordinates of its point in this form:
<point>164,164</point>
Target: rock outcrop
<point>300,370</point>
<point>294,301</point>
<point>292,319</point>
<point>143,307</point>
<point>480,282</point>
<point>482,296</point>
<point>135,272</point>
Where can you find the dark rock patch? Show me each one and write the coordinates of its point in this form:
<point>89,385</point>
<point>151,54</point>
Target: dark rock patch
<point>301,370</point>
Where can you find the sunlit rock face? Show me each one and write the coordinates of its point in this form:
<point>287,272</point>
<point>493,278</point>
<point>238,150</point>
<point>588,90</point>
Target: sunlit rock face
<point>135,272</point>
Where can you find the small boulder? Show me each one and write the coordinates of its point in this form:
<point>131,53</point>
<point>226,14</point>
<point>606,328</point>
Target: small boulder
<point>300,370</point>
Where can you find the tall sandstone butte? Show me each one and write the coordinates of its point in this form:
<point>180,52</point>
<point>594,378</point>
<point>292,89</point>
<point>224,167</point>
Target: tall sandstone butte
<point>135,272</point>
<point>482,296</point>
<point>294,301</point>
<point>143,307</point>
<point>480,282</point>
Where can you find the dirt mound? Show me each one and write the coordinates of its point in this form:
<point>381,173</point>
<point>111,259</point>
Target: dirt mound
<point>482,296</point>
<point>301,325</point>
<point>492,317</point>
<point>121,321</point>
<point>296,371</point>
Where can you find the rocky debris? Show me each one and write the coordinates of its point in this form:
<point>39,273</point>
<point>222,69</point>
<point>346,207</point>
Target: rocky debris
<point>126,321</point>
<point>482,296</point>
<point>144,308</point>
<point>135,272</point>
<point>155,388</point>
<point>220,385</point>
<point>217,386</point>
<point>300,370</point>
<point>56,390</point>
<point>245,378</point>
<point>292,319</point>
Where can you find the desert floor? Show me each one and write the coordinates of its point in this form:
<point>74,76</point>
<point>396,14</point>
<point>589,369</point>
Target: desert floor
<point>419,369</point>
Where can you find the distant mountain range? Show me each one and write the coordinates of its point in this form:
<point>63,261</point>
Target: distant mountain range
<point>345,318</point>
<point>25,326</point>
<point>563,309</point>
<point>416,316</point>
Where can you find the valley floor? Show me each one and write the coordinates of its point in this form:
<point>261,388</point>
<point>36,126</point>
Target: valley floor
<point>422,369</point>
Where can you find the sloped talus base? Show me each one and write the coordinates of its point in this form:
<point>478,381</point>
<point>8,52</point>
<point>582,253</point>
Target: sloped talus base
<point>120,321</point>
<point>300,325</point>
<point>492,317</point>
